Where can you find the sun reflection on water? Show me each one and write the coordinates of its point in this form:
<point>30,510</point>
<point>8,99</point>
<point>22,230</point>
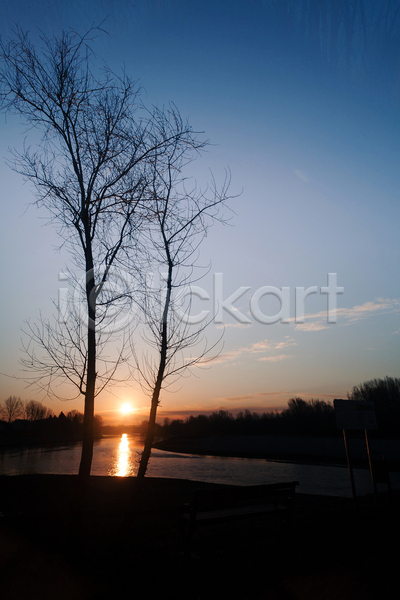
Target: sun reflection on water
<point>122,465</point>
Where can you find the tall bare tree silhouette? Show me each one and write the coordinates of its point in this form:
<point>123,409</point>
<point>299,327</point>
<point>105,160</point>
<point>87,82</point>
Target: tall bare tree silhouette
<point>93,172</point>
<point>181,217</point>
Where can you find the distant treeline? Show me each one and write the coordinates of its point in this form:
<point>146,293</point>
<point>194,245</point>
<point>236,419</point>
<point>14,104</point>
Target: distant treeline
<point>301,417</point>
<point>31,422</point>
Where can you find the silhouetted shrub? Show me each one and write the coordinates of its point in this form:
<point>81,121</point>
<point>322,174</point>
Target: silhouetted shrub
<point>385,394</point>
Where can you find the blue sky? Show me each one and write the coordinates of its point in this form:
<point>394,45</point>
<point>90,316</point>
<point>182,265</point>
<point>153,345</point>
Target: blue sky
<point>314,156</point>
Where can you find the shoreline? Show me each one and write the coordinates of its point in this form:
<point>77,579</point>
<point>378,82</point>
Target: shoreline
<point>12,442</point>
<point>312,451</point>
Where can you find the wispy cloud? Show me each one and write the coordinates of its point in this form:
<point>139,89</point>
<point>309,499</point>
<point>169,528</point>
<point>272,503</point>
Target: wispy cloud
<point>234,325</point>
<point>316,326</point>
<point>270,345</point>
<point>318,321</point>
<point>289,342</point>
<point>274,396</point>
<point>255,401</point>
<point>225,357</point>
<point>261,347</point>
<point>275,358</point>
<point>364,310</point>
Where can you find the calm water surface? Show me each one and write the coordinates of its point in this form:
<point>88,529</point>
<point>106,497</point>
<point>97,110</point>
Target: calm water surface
<point>118,456</point>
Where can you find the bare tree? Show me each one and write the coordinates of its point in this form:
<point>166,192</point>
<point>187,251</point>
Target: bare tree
<point>91,172</point>
<point>12,409</point>
<point>75,415</point>
<point>181,217</point>
<point>34,410</point>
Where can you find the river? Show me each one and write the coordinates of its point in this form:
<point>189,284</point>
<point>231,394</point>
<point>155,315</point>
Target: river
<point>118,456</point>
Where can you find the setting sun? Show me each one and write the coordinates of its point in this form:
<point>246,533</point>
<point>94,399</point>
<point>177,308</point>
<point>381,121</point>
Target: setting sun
<point>126,408</point>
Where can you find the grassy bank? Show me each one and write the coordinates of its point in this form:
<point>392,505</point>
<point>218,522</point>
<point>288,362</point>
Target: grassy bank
<point>327,551</point>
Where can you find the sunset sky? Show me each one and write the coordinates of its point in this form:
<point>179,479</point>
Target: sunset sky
<point>314,158</point>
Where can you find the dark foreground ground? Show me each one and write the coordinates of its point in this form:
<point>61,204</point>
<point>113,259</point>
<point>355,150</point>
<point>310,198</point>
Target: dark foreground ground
<point>327,551</point>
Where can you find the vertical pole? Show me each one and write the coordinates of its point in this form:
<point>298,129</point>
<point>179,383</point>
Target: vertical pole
<point>371,470</point>
<point>353,487</point>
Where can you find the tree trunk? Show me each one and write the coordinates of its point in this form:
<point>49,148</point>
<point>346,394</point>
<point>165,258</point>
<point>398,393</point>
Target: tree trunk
<point>132,514</point>
<point>88,421</point>
<point>144,459</point>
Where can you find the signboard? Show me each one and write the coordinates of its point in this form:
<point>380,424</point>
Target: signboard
<point>355,414</point>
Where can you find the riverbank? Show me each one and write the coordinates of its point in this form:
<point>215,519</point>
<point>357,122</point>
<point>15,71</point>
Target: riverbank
<point>327,551</point>
<point>303,449</point>
<point>26,441</point>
